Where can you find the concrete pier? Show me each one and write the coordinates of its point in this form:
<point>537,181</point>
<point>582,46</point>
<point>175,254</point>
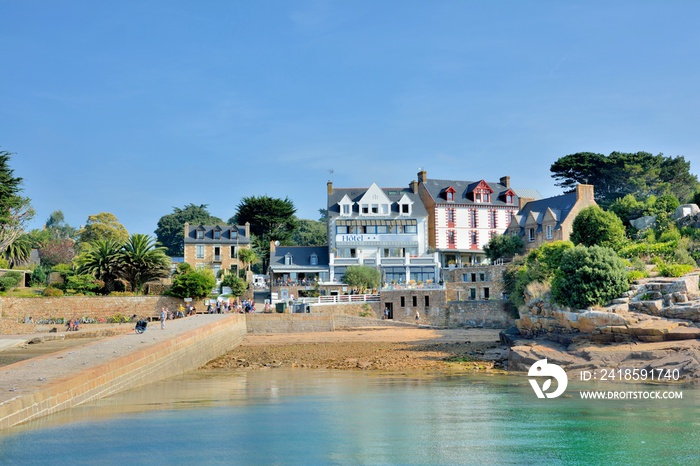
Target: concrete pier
<point>41,386</point>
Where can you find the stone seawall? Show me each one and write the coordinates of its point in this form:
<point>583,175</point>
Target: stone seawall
<point>297,323</point>
<point>189,349</point>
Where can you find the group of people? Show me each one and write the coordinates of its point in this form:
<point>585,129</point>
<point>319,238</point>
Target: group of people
<point>73,325</point>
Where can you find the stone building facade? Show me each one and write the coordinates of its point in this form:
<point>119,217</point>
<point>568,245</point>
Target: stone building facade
<point>215,247</point>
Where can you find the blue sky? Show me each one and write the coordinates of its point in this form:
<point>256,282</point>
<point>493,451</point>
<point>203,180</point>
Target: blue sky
<point>136,107</point>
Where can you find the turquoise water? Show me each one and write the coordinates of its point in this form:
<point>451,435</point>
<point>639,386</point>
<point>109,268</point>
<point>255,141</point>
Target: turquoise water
<point>306,417</point>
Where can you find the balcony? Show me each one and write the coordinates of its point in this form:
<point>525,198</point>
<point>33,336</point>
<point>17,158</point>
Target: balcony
<point>217,257</point>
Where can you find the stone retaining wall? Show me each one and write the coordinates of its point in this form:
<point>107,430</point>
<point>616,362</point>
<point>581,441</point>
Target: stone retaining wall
<point>172,357</point>
<point>15,313</point>
<point>296,323</point>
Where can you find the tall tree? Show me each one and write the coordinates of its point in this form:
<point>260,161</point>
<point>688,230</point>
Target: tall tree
<point>171,227</point>
<point>58,228</point>
<point>621,173</point>
<point>595,227</point>
<point>103,226</point>
<point>142,260</point>
<point>15,210</point>
<point>270,219</point>
<point>310,233</point>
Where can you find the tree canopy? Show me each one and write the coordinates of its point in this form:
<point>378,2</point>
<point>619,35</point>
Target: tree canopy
<point>171,227</point>
<point>310,233</point>
<point>191,283</point>
<point>102,226</point>
<point>362,277</point>
<point>503,246</point>
<point>15,210</point>
<point>270,219</point>
<point>621,173</point>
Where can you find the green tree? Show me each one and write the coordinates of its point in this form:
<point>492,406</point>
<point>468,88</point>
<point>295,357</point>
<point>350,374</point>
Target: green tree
<point>171,228</point>
<point>103,226</point>
<point>18,251</point>
<point>503,246</point>
<point>142,260</point>
<point>57,227</point>
<point>238,286</point>
<point>101,259</point>
<point>620,173</point>
<point>546,258</point>
<point>589,276</point>
<point>270,219</point>
<point>362,277</point>
<point>247,256</point>
<point>595,227</point>
<point>310,233</point>
<point>15,210</point>
<point>190,283</point>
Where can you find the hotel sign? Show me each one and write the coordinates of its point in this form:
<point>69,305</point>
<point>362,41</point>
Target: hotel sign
<point>356,238</point>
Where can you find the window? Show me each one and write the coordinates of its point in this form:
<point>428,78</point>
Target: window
<point>382,229</point>
<point>450,238</point>
<point>474,223</point>
<point>370,229</point>
<point>482,277</point>
<point>549,231</point>
<point>365,208</point>
<point>385,209</point>
<point>415,301</point>
<point>472,293</point>
<point>410,229</point>
<point>473,277</point>
<point>200,252</point>
<point>531,234</point>
<point>233,252</point>
<point>451,216</point>
<point>288,259</point>
<point>346,209</point>
<point>487,293</point>
<point>200,234</point>
<point>405,209</point>
<point>314,259</point>
<point>341,230</point>
<point>474,238</point>
<point>217,234</point>
<point>493,219</point>
<point>403,301</point>
<point>427,300</point>
<point>217,253</point>
<point>450,196</point>
<point>509,199</point>
<point>375,208</point>
<point>465,277</point>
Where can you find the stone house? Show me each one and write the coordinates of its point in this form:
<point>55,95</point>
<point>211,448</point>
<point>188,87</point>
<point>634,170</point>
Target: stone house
<point>476,283</point>
<point>551,219</point>
<point>215,247</point>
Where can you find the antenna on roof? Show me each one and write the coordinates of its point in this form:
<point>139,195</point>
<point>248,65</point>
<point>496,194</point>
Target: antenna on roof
<point>330,172</point>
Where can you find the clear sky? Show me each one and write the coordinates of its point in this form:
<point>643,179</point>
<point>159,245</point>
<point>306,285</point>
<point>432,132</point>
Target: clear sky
<point>136,107</point>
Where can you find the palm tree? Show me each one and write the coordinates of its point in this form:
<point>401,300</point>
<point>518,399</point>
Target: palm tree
<point>247,256</point>
<point>143,260</point>
<point>18,251</point>
<point>101,259</point>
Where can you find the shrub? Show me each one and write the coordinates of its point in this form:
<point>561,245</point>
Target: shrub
<point>589,276</point>
<point>38,277</point>
<point>237,285</point>
<point>674,270</point>
<point>595,227</point>
<point>52,292</point>
<point>195,284</point>
<point>633,275</point>
<point>10,280</point>
<point>502,246</point>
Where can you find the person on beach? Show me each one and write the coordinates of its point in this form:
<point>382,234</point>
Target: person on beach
<point>417,316</point>
<point>163,316</point>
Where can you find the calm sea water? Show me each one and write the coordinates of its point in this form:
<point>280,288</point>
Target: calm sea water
<point>309,417</point>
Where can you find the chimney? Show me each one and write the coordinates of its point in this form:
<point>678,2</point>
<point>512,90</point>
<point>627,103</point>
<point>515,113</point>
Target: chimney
<point>505,181</point>
<point>330,187</point>
<point>524,200</point>
<point>414,186</point>
<point>422,176</point>
<point>272,248</point>
<point>247,229</point>
<point>187,229</point>
<point>584,192</point>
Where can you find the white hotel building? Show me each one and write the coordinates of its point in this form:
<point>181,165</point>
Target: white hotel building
<point>385,228</point>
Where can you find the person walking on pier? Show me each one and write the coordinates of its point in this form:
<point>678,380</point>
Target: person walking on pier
<point>163,316</point>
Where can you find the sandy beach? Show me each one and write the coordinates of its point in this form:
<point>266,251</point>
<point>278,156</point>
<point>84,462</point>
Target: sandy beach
<point>381,348</point>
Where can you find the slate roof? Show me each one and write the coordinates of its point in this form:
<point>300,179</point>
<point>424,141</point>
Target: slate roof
<point>226,235</point>
<point>301,258</point>
<point>436,189</point>
<point>394,195</point>
<point>560,205</point>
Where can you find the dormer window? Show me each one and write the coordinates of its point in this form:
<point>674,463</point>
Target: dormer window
<point>450,196</point>
<point>346,209</point>
<point>200,234</point>
<point>314,259</point>
<point>217,234</point>
<point>509,199</point>
<point>288,259</point>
